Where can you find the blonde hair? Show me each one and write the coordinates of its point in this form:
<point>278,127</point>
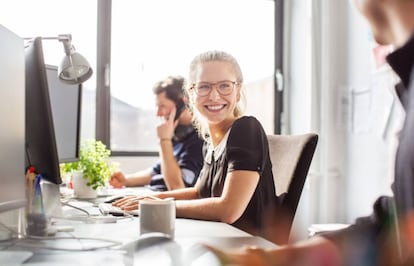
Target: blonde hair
<point>198,121</point>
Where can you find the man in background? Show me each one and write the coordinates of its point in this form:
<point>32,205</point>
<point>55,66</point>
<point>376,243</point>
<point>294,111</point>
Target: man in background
<point>180,147</point>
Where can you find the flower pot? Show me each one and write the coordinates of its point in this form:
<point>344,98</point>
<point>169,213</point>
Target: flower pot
<point>80,189</point>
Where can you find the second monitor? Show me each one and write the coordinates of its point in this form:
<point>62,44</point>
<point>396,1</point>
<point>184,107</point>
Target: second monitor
<point>65,101</point>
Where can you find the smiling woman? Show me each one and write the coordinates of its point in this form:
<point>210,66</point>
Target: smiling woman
<point>235,185</point>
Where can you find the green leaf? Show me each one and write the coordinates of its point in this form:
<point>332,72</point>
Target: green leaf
<point>93,162</point>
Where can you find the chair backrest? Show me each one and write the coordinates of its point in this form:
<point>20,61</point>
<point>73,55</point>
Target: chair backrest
<point>291,157</point>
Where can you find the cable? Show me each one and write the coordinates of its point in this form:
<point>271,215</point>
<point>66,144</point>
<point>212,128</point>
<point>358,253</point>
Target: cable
<point>27,152</point>
<point>77,208</point>
<point>93,217</point>
<point>18,240</point>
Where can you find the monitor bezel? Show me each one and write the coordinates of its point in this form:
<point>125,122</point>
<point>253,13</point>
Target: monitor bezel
<point>40,146</point>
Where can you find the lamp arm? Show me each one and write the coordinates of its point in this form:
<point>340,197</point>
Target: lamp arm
<point>74,68</point>
<point>66,39</point>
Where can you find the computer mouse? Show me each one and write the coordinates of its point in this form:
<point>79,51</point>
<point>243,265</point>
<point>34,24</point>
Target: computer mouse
<point>157,248</point>
<point>152,239</point>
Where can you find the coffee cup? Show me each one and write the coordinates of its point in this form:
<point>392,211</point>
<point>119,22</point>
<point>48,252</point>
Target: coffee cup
<point>157,215</point>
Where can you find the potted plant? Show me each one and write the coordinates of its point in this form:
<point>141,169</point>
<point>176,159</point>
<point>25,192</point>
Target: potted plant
<point>92,169</point>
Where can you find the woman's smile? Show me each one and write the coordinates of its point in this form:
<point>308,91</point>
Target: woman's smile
<point>215,107</point>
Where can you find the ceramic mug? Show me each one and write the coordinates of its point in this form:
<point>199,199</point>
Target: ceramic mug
<point>157,215</point>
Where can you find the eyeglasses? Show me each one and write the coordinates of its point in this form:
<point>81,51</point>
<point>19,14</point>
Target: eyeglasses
<point>224,87</point>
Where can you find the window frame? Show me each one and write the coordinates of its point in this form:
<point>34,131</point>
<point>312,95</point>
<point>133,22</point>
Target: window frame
<point>103,90</point>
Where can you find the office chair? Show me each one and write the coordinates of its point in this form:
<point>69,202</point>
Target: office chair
<point>291,157</point>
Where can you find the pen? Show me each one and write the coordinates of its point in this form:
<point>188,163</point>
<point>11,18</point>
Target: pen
<point>38,200</point>
<point>30,180</point>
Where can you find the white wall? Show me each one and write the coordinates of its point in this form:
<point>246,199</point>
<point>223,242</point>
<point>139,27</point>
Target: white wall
<point>371,138</point>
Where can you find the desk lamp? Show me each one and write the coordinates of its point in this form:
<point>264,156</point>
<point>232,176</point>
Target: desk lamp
<point>74,68</point>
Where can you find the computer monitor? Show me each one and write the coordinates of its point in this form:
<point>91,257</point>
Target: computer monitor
<point>12,172</point>
<point>65,101</point>
<point>41,148</point>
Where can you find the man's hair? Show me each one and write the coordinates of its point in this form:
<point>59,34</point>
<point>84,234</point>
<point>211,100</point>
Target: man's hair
<point>172,86</point>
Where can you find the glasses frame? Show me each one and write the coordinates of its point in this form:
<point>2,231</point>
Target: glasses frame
<point>194,88</point>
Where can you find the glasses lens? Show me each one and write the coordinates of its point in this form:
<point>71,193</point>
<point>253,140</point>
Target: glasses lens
<point>203,88</point>
<point>225,87</point>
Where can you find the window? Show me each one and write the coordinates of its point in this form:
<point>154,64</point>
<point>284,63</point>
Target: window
<point>153,39</point>
<point>49,18</point>
<point>150,39</point>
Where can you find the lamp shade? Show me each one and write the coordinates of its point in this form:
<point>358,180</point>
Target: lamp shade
<point>74,69</point>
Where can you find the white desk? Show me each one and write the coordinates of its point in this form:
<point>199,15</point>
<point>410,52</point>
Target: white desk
<point>188,232</point>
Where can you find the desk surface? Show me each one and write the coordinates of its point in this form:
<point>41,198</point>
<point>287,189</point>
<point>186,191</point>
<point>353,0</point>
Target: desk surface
<point>188,233</point>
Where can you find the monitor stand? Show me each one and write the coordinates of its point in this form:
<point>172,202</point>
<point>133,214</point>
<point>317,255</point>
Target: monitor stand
<point>51,199</point>
<point>51,204</point>
<point>14,220</point>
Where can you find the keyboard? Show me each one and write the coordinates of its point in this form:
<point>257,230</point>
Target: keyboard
<point>108,208</point>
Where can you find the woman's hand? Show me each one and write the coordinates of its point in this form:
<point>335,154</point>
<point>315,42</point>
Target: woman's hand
<point>129,203</point>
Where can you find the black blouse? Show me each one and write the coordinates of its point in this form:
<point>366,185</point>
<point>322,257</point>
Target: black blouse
<point>245,147</point>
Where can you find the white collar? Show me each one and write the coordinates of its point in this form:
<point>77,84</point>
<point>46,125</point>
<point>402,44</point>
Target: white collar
<point>218,150</point>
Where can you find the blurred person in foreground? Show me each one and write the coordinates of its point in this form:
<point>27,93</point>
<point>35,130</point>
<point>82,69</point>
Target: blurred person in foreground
<point>180,146</point>
<point>387,236</point>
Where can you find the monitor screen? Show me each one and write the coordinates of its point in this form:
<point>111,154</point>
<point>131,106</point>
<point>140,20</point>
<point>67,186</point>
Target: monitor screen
<point>12,173</point>
<point>41,150</point>
<point>65,101</point>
